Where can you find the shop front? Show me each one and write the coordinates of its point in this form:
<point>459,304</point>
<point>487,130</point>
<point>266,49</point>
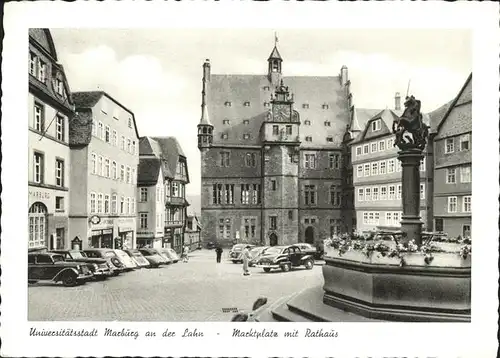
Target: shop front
<point>167,238</point>
<point>147,238</point>
<point>125,238</point>
<point>102,239</point>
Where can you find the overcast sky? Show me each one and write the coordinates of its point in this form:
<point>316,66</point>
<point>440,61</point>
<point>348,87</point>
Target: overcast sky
<point>157,72</point>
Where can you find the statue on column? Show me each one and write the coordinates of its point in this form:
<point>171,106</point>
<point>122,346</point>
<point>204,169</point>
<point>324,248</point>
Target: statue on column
<point>410,130</point>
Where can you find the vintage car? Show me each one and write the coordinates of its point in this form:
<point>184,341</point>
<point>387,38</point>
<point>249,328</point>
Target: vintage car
<point>126,260</point>
<point>52,267</point>
<point>285,258</point>
<point>255,254</point>
<point>138,258</point>
<point>307,248</point>
<point>99,267</point>
<point>236,251</point>
<point>153,256</point>
<point>170,254</point>
<point>109,255</point>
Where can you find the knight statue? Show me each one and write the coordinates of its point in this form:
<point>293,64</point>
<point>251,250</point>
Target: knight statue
<point>410,130</point>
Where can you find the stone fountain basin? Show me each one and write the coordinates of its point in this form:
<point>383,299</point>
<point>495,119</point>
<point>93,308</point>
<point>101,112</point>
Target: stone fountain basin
<point>378,287</point>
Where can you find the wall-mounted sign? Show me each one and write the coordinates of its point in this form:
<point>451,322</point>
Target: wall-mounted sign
<point>107,231</point>
<point>94,219</point>
<point>145,233</point>
<point>37,194</point>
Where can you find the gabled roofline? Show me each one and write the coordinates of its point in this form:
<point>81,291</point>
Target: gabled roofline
<point>453,103</point>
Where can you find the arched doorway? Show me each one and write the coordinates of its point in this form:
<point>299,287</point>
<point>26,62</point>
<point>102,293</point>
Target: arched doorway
<point>37,222</point>
<point>273,239</point>
<point>310,235</point>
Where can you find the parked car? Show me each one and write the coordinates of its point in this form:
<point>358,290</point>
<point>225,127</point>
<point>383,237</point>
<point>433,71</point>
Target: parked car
<point>126,260</point>
<point>117,267</point>
<point>99,267</point>
<point>53,267</point>
<point>255,254</point>
<point>285,258</point>
<point>139,258</point>
<point>153,256</point>
<point>171,254</point>
<point>236,251</point>
<point>310,249</point>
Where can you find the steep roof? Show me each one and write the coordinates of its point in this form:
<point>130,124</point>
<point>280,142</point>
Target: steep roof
<point>463,96</point>
<point>324,96</point>
<point>387,117</point>
<point>436,116</point>
<point>80,128</point>
<point>166,149</point>
<point>148,171</point>
<point>275,54</point>
<point>361,116</point>
<point>44,38</point>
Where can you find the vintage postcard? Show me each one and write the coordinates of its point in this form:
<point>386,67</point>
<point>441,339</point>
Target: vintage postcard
<point>304,168</point>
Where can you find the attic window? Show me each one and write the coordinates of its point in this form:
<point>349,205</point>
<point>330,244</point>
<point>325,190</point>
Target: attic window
<point>309,139</point>
<point>225,122</point>
<point>376,125</point>
<point>325,106</point>
<point>266,104</point>
<point>246,104</point>
<point>246,136</point>
<point>328,124</point>
<point>130,122</point>
<point>307,122</point>
<point>329,139</point>
<point>246,121</point>
<point>223,135</point>
<point>266,88</point>
<point>305,105</point>
<point>227,104</point>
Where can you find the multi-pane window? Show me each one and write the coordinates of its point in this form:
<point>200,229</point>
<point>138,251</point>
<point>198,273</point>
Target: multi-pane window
<point>358,151</point>
<point>422,191</point>
<point>33,62</point>
<point>452,204</point>
<point>92,202</point>
<point>100,130</point>
<point>467,204</point>
<point>99,203</point>
<point>175,189</point>
<point>375,168</point>
<point>310,161</point>
<point>399,192</point>
<point>376,125</point>
<point>310,194</point>
<point>59,172</point>
<point>359,171</point>
<point>229,193</point>
<point>122,205</point>
<point>114,171</point>
<point>143,195</point>
<point>383,193</point>
<point>245,193</point>
<point>122,143</point>
<point>122,172</point>
<point>334,196</point>
<point>37,225</point>
<point>249,226</point>
<point>128,175</point>
<point>143,220</point>
<point>39,118</point>
<point>256,194</point>
<point>366,149</point>
<point>371,217</point>
<point>382,167</point>
<point>368,194</point>
<point>451,176</point>
<point>224,159</point>
<point>392,192</point>
<point>217,193</point>
<point>391,166</point>
<point>398,165</point>
<point>59,127</point>
<point>374,147</point>
<point>465,142</point>
<point>42,71</point>
<point>375,194</point>
<point>361,194</point>
<point>390,143</point>
<point>114,200</point>
<point>381,145</point>
<point>106,168</point>
<point>250,160</point>
<point>107,135</point>
<point>367,170</point>
<point>106,204</point>
<point>115,138</point>
<point>465,174</point>
<point>99,165</point>
<point>38,167</point>
<point>449,145</point>
<point>273,222</point>
<point>334,161</point>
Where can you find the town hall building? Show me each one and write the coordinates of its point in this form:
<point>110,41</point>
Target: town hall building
<point>272,156</point>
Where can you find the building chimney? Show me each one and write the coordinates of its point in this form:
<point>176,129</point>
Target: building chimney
<point>344,75</point>
<point>397,100</point>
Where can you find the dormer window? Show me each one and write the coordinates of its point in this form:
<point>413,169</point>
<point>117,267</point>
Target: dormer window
<point>246,136</point>
<point>42,71</point>
<point>309,139</point>
<point>227,104</point>
<point>266,88</point>
<point>224,136</point>
<point>376,125</point>
<point>246,104</point>
<point>307,122</point>
<point>246,122</point>
<point>328,124</point>
<point>225,122</point>
<point>266,104</point>
<point>59,87</point>
<point>329,139</point>
<point>130,122</point>
<point>305,105</point>
<point>325,106</point>
<point>33,62</point>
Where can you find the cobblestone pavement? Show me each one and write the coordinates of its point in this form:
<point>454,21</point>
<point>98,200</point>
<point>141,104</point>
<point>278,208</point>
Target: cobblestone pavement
<point>196,291</point>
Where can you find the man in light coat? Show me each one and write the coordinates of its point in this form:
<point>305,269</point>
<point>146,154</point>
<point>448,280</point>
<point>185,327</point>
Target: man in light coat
<point>246,258</point>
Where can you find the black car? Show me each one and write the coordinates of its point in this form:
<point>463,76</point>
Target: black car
<point>53,267</point>
<point>285,258</point>
<point>99,267</point>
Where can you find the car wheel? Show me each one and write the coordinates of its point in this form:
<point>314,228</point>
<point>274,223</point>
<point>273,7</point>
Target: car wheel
<point>286,267</point>
<point>69,279</point>
<point>309,264</point>
<point>267,269</point>
<point>235,261</point>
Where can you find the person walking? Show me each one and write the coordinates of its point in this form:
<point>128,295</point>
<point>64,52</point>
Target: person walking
<point>218,252</point>
<point>246,258</point>
<point>185,253</point>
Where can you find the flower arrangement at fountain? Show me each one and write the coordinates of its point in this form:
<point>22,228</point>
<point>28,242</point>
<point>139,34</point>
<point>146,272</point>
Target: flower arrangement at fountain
<point>393,248</point>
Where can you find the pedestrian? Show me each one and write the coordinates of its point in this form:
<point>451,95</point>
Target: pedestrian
<point>185,253</point>
<point>246,257</point>
<point>218,251</point>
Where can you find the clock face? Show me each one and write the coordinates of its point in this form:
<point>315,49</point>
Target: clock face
<point>281,112</point>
